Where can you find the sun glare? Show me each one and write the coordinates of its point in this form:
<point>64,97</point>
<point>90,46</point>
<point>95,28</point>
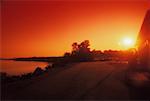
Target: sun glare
<point>126,43</point>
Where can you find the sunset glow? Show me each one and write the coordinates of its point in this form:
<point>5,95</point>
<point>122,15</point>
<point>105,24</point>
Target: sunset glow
<point>128,42</point>
<point>48,28</point>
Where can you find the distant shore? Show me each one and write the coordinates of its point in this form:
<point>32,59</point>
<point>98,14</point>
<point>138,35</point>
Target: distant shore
<point>55,62</point>
<point>40,59</point>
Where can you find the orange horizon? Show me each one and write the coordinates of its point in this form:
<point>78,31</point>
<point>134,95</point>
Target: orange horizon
<point>48,28</point>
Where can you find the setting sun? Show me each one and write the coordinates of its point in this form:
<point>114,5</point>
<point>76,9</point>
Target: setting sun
<point>77,49</point>
<point>128,42</point>
<point>54,25</point>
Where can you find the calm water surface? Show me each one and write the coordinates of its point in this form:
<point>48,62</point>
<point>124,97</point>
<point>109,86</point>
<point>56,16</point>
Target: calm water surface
<point>19,67</point>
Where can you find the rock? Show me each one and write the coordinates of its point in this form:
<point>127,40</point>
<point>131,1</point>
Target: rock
<point>47,68</point>
<point>38,71</point>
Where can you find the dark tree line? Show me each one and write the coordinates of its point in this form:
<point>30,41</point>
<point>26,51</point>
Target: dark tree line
<point>80,52</point>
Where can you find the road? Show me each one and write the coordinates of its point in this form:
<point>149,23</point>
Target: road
<point>86,80</point>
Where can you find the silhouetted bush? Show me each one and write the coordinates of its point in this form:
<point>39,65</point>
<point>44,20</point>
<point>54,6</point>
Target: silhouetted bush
<point>38,71</point>
<point>47,68</point>
<point>26,76</point>
<point>81,52</point>
<point>3,76</point>
<point>67,54</point>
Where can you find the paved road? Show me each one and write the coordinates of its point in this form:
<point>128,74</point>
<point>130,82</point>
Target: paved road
<point>87,80</point>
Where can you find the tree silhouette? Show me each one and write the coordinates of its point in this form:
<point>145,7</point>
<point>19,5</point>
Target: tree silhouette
<point>75,48</point>
<point>67,54</point>
<point>81,51</point>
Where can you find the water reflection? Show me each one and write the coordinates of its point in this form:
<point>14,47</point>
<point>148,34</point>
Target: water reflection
<point>19,67</point>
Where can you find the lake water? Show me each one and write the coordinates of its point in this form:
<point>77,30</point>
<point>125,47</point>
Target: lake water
<point>20,67</point>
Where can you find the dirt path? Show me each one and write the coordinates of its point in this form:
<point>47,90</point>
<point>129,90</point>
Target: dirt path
<point>88,80</point>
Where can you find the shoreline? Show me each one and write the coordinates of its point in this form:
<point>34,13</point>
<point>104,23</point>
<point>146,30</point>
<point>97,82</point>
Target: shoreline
<point>6,78</point>
<point>40,59</point>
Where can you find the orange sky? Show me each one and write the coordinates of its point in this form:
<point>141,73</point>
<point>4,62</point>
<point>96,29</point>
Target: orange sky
<point>48,28</point>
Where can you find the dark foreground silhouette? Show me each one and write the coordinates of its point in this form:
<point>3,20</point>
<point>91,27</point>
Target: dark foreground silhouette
<point>85,80</point>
